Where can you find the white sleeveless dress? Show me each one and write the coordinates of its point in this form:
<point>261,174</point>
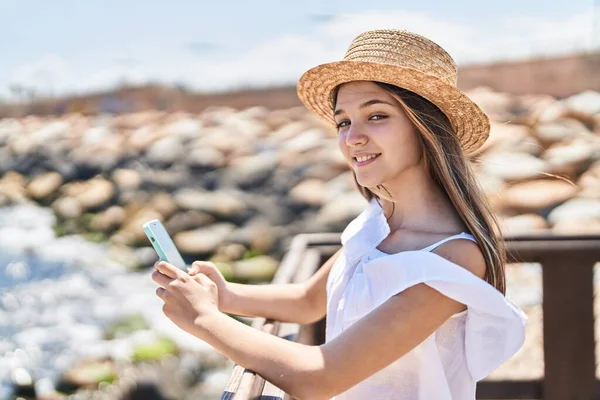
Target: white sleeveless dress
<point>464,350</point>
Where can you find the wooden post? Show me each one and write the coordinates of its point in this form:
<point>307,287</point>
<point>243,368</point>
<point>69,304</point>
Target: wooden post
<point>569,346</point>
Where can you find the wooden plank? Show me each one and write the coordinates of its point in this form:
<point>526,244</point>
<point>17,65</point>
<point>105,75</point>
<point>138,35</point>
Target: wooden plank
<point>517,390</point>
<point>568,321</point>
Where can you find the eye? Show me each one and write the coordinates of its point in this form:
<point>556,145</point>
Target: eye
<point>342,124</point>
<point>377,117</point>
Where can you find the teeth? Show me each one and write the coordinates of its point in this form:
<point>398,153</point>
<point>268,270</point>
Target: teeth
<point>365,158</point>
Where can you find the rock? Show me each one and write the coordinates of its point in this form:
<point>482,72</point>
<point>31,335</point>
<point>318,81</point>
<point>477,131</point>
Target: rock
<point>45,185</point>
<point>125,326</point>
<point>188,220</point>
<point>12,187</point>
<point>166,151</point>
<point>549,110</point>
<point>229,252</point>
<point>67,208</point>
<point>496,105</point>
<point>513,166</point>
<point>576,209</point>
<point>538,194</point>
<point>226,204</point>
<point>587,102</point>
<point>87,374</point>
<point>168,179</point>
<point>259,268</point>
<point>273,209</point>
<point>132,233</point>
<point>523,225</point>
<point>128,257</point>
<point>249,171</point>
<point>572,157</point>
<point>577,227</point>
<point>91,161</point>
<point>589,182</point>
<point>505,136</point>
<point>110,219</point>
<point>92,194</point>
<point>257,234</point>
<point>276,119</point>
<point>306,141</point>
<point>558,130</point>
<point>205,157</point>
<point>96,135</point>
<point>310,192</point>
<point>186,128</point>
<point>164,204</point>
<point>337,213</point>
<point>220,139</point>
<point>203,240</point>
<point>126,179</point>
<point>343,183</point>
<point>288,132</point>
<point>240,125</point>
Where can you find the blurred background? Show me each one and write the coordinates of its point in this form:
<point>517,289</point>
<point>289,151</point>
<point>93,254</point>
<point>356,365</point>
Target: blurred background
<point>113,113</point>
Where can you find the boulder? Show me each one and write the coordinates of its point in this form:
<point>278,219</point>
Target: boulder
<point>513,166</point>
<point>550,132</point>
<point>225,204</point>
<point>67,208</point>
<point>126,179</point>
<point>310,192</point>
<point>259,268</point>
<point>572,157</point>
<point>45,185</point>
<point>538,194</point>
<point>203,240</point>
<point>188,220</point>
<point>92,194</point>
<point>167,150</point>
<point>522,225</point>
<point>576,209</point>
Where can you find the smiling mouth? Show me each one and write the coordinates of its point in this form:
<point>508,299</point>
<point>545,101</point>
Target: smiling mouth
<point>364,162</point>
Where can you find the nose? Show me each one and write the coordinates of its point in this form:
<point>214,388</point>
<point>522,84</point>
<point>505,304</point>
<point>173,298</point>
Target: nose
<point>356,136</point>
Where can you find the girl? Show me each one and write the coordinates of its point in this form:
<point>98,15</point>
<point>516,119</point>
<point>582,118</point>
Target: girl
<point>414,299</point>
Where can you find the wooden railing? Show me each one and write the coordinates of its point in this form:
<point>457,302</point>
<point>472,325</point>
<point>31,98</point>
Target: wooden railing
<point>568,318</point>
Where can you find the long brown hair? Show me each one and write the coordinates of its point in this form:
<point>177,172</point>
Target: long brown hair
<point>450,168</point>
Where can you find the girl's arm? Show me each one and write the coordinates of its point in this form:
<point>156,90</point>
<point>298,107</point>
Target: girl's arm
<point>320,372</point>
<point>302,303</point>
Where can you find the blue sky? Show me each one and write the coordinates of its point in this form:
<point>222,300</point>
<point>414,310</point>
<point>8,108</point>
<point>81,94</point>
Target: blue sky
<point>78,46</point>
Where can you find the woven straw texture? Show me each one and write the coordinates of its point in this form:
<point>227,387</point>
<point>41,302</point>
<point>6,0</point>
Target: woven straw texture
<point>404,59</point>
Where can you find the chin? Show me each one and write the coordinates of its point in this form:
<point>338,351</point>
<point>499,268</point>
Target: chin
<point>368,182</point>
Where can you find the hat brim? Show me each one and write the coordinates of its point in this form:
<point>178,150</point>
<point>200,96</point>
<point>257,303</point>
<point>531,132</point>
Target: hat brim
<point>470,123</point>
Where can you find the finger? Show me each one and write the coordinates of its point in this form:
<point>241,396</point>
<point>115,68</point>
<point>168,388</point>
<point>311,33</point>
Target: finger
<point>162,293</point>
<point>161,278</point>
<point>202,267</point>
<point>203,280</point>
<point>169,270</point>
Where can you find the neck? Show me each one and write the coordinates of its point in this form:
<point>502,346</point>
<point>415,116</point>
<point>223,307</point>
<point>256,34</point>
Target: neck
<point>416,203</point>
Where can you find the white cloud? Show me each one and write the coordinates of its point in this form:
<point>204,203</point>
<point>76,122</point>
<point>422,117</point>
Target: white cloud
<point>283,59</point>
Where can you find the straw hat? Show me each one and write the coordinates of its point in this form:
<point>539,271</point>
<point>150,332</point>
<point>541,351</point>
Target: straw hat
<point>406,60</point>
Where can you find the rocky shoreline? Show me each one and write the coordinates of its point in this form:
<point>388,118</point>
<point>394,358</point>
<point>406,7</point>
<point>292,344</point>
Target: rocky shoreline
<point>232,186</point>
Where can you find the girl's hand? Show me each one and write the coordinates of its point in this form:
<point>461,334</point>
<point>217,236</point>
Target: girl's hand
<point>187,300</point>
<point>210,270</point>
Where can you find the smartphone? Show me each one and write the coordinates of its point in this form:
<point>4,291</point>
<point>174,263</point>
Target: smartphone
<point>163,244</point>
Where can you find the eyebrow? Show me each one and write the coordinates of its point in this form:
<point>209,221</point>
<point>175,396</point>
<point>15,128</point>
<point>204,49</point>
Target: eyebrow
<point>365,104</point>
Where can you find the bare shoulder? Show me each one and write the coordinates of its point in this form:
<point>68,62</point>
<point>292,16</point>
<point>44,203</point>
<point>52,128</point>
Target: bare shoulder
<point>465,253</point>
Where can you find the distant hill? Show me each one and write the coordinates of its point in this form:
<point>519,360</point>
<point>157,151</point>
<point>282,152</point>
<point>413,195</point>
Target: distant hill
<point>559,77</point>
